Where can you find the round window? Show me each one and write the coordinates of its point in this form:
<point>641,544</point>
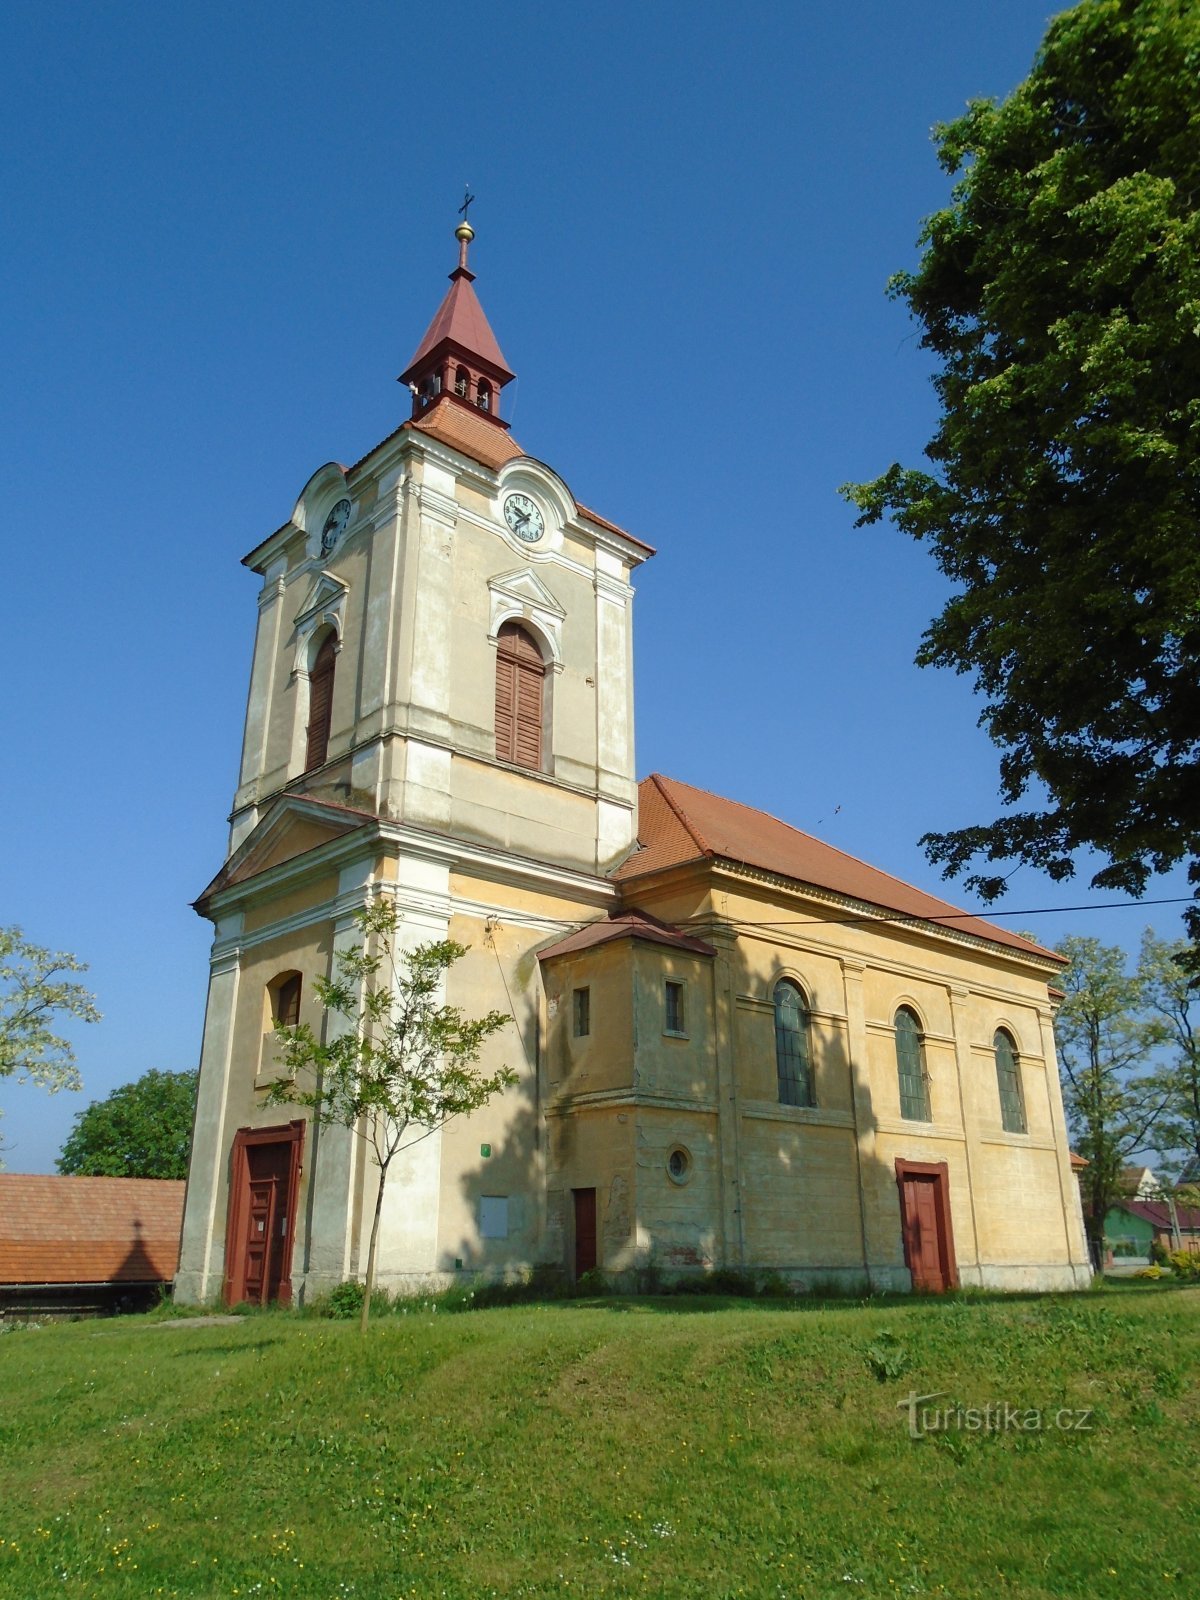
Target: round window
<point>679,1164</point>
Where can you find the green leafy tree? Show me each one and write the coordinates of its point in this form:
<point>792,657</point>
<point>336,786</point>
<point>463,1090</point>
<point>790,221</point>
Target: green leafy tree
<point>1106,1043</point>
<point>1172,996</point>
<point>1059,293</point>
<point>141,1130</point>
<point>36,990</point>
<point>403,1064</point>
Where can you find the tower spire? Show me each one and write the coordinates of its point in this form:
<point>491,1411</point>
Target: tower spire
<point>459,359</point>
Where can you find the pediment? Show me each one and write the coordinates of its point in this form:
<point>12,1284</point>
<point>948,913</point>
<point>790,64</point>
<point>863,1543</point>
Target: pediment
<point>293,827</point>
<point>324,595</point>
<point>527,589</point>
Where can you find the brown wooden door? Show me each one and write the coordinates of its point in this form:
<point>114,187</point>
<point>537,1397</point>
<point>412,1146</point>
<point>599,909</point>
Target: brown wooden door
<point>260,1217</point>
<point>585,1230</point>
<point>923,1217</point>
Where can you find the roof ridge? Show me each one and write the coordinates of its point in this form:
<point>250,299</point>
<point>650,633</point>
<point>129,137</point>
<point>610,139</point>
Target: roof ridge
<point>659,779</point>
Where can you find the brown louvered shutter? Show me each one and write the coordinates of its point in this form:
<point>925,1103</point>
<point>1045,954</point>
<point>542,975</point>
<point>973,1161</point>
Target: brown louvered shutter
<point>287,1001</point>
<point>520,673</point>
<point>320,705</point>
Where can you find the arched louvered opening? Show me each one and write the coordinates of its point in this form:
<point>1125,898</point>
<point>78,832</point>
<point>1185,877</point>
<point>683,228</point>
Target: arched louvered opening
<point>461,382</point>
<point>910,1064</point>
<point>320,703</point>
<point>793,1052</point>
<point>484,395</point>
<point>1008,1079</point>
<point>520,686</point>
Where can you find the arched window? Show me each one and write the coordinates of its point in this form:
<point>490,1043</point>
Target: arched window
<point>285,999</point>
<point>484,395</point>
<point>1008,1077</point>
<point>910,1064</point>
<point>320,703</point>
<point>520,676</point>
<point>460,382</point>
<point>793,1056</point>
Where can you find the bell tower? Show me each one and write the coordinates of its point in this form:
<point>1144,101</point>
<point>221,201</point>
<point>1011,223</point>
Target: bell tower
<point>445,631</point>
<point>459,356</point>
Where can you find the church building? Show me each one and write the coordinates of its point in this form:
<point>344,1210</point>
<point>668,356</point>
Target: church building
<point>735,1046</point>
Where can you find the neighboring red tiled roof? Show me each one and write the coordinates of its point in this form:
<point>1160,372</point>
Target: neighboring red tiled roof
<point>677,824</point>
<point>631,924</point>
<point>460,318</point>
<point>1158,1214</point>
<point>1079,1162</point>
<point>89,1230</point>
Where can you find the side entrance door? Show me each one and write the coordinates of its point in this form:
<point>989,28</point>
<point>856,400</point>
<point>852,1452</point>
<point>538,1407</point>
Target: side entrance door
<point>585,1231</point>
<point>262,1213</point>
<point>925,1221</point>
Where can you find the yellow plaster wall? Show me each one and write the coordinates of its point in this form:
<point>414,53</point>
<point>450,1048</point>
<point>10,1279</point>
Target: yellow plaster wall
<point>666,1064</point>
<point>262,913</point>
<point>603,1059</point>
<point>498,973</point>
<point>799,1193</point>
<point>678,1223</point>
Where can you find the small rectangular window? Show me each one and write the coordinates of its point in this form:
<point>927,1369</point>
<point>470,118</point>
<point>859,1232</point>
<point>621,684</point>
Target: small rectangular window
<point>674,1001</point>
<point>582,1009</point>
<point>493,1216</point>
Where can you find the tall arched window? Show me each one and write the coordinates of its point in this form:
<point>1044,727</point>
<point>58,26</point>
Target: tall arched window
<point>793,1055</point>
<point>483,395</point>
<point>461,382</point>
<point>320,703</point>
<point>520,678</point>
<point>1008,1077</point>
<point>910,1064</point>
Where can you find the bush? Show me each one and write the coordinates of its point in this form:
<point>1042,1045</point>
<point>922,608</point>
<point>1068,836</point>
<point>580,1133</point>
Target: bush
<point>773,1286</point>
<point>1185,1264</point>
<point>1158,1253</point>
<point>1154,1273</point>
<point>345,1302</point>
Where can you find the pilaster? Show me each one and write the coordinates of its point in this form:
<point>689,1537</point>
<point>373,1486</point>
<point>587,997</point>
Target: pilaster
<point>202,1246</point>
<point>879,1229</point>
<point>1068,1185</point>
<point>960,1023</point>
<point>733,1232</point>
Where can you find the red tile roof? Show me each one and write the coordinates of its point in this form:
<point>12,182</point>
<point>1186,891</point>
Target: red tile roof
<point>460,318</point>
<point>631,924</point>
<point>677,824</point>
<point>89,1230</point>
<point>465,429</point>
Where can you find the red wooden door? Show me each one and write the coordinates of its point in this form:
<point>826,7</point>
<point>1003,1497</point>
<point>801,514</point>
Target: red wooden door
<point>926,1250</point>
<point>266,1220</point>
<point>585,1230</point>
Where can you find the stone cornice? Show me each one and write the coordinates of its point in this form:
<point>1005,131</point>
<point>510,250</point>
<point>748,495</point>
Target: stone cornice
<point>864,914</point>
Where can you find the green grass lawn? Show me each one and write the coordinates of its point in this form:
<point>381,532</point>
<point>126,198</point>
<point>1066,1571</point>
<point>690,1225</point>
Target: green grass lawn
<point>665,1447</point>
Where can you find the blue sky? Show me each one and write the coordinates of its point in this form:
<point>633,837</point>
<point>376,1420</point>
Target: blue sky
<point>227,229</point>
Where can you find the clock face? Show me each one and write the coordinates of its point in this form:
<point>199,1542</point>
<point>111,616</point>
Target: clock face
<point>524,518</point>
<point>335,522</point>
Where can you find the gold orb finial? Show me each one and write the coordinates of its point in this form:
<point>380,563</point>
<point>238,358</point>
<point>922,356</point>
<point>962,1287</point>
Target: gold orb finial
<point>464,232</point>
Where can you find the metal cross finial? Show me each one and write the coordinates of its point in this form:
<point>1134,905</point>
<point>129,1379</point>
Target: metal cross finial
<point>463,209</point>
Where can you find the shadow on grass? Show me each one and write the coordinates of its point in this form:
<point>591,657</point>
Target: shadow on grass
<point>227,1348</point>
